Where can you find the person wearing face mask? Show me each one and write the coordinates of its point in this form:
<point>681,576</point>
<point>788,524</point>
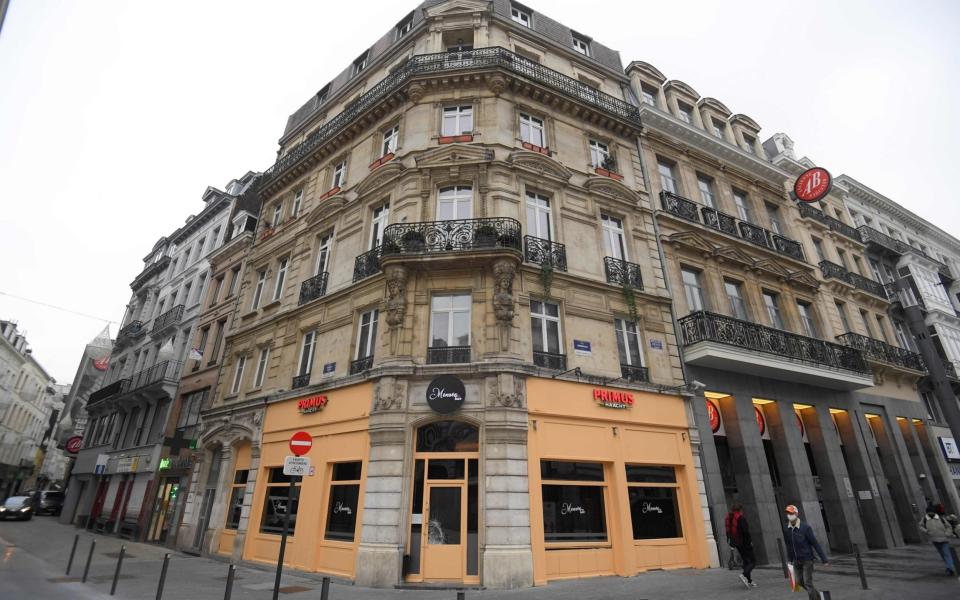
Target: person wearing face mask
<point>938,530</point>
<point>801,543</point>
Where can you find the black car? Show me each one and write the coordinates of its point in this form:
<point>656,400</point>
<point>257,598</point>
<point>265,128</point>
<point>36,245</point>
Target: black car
<point>17,507</point>
<point>49,502</point>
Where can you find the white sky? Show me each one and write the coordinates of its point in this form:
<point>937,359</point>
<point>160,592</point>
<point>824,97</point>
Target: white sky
<point>115,116</point>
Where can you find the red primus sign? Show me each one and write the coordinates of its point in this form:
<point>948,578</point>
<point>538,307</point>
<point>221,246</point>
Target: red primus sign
<point>612,399</point>
<point>311,404</point>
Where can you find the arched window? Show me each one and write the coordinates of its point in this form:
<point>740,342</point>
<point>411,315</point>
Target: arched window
<point>448,436</point>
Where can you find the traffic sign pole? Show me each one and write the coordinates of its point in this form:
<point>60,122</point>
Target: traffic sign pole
<point>300,444</point>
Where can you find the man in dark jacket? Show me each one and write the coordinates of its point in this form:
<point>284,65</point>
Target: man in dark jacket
<point>738,536</point>
<point>801,544</point>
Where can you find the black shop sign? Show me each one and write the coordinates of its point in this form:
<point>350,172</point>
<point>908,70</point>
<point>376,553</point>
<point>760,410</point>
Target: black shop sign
<point>446,394</point>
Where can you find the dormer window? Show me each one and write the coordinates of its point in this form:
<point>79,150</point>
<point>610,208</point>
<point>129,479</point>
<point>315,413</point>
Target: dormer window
<point>749,142</point>
<point>520,14</point>
<point>404,26</point>
<point>685,113</point>
<point>323,94</point>
<point>717,127</point>
<point>581,44</point>
<point>360,64</point>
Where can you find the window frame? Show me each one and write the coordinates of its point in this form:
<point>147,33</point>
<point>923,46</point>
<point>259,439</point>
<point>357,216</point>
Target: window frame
<point>675,485</point>
<point>693,291</point>
<point>297,202</point>
<point>736,300</point>
<point>450,334</point>
<point>580,44</point>
<point>262,363</point>
<point>307,344</point>
<point>742,203</point>
<point>390,140</point>
<point>277,215</point>
<point>339,176</point>
<point>369,338</point>
<point>461,114</point>
<point>808,319</point>
<point>378,222</point>
<point>455,196</point>
<point>670,175</point>
<point>705,185</point>
<point>234,502</point>
<point>344,483</point>
<point>283,486</point>
<point>535,205</point>
<point>623,334</point>
<point>533,123</point>
<point>238,374</point>
<point>281,278</point>
<point>545,319</point>
<point>599,152</point>
<point>324,250</point>
<point>258,288</point>
<point>604,486</point>
<point>613,231</point>
<point>773,308</point>
<point>521,16</point>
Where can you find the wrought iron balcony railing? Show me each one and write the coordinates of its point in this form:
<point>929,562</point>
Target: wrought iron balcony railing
<point>833,223</point>
<point>168,370</point>
<point>946,272</point>
<point>451,236</point>
<point>703,326</point>
<point>951,370</point>
<point>881,351</point>
<point>550,360</point>
<point>545,253</point>
<point>441,355</point>
<point>621,272</point>
<point>367,264</point>
<point>832,270</point>
<point>300,381</point>
<point>869,235</point>
<point>691,211</point>
<point>361,365</point>
<point>313,288</point>
<point>108,391</point>
<point>131,330</point>
<point>167,319</point>
<point>634,374</point>
<point>425,64</point>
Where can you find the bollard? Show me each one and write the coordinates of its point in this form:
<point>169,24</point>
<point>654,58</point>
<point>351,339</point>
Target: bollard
<point>163,576</point>
<point>325,588</point>
<point>863,576</point>
<point>783,558</point>
<point>116,574</point>
<point>93,544</point>
<point>73,551</point>
<point>229,590</point>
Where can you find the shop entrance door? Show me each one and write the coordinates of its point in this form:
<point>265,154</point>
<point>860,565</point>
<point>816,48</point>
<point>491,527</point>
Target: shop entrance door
<point>443,537</point>
<point>163,509</point>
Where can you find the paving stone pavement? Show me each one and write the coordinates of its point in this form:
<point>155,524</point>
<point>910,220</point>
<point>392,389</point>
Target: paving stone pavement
<point>35,553</point>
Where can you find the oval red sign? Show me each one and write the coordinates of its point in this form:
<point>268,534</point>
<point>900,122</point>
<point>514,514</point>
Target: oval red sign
<point>812,185</point>
<point>714,415</point>
<point>73,444</point>
<point>761,423</point>
<point>300,443</point>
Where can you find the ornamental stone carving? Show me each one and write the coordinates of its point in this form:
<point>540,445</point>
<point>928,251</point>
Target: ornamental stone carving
<point>389,393</point>
<point>497,83</point>
<point>504,271</point>
<point>507,391</point>
<point>396,278</point>
<point>416,92</point>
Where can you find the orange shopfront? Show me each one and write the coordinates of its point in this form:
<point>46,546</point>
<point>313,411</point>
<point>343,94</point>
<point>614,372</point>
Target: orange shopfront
<point>326,512</point>
<point>613,486</point>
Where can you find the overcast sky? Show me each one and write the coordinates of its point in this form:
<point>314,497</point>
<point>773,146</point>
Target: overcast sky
<point>115,116</point>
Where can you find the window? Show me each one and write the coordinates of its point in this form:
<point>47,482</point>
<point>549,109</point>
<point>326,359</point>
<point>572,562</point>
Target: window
<point>214,238</point>
<point>743,209</point>
<point>381,215</point>
<point>581,45</point>
<point>455,202</point>
<point>735,295</point>
<point>685,113</point>
<point>705,185</point>
<point>693,288</point>
<point>865,317</point>
<point>613,239</point>
<point>772,302</point>
<point>217,342</point>
<point>545,325</point>
<point>281,277</point>
<point>258,291</point>
<point>654,510</point>
<point>238,374</point>
<point>186,293</point>
<point>360,64</point>
<point>390,139</point>
<point>275,503</point>
<point>648,95</point>
<point>599,152</point>
<point>818,246</point>
<point>717,127</point>
<point>323,254</point>
<point>875,268</point>
<point>538,216</point>
<point>234,278</point>
<point>773,213</point>
<point>573,508</point>
<point>344,495</point>
<point>882,329</point>
<point>297,202</point>
<point>531,130</point>
<point>749,142</point>
<point>842,309</point>
<point>190,409</point>
<point>237,491</point>
<point>306,353</point>
<point>628,343</point>
<point>668,177</point>
<point>202,344</point>
<point>902,338</point>
<point>404,26</point>
<point>858,264</point>
<point>277,214</point>
<point>261,367</point>
<point>806,319</point>
<point>367,333</point>
<point>457,120</point>
<point>450,321</point>
<point>217,285</point>
<point>933,410</point>
<point>520,15</point>
<point>339,174</point>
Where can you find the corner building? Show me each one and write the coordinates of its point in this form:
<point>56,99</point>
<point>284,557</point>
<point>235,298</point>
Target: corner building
<point>455,287</point>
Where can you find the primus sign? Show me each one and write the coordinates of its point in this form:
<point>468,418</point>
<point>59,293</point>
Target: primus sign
<point>311,404</point>
<point>612,399</point>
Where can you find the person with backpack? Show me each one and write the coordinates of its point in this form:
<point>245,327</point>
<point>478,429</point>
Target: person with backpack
<point>738,536</point>
<point>937,531</point>
<point>801,543</point>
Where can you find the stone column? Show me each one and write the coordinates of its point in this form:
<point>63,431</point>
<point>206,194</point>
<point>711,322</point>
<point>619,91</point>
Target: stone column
<point>713,503</point>
<point>920,466</point>
<point>900,477</point>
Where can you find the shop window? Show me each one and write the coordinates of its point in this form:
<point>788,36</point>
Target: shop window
<point>344,497</point>
<point>653,502</point>
<point>448,436</point>
<point>573,503</point>
<point>275,503</point>
<point>237,491</point>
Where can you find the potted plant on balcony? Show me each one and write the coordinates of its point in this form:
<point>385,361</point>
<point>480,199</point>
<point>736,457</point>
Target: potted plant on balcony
<point>485,236</point>
<point>509,239</point>
<point>413,241</point>
<point>390,247</point>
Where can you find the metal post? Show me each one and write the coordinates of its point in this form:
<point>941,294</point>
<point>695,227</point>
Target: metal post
<point>116,574</point>
<point>783,558</point>
<point>73,551</point>
<point>163,576</point>
<point>229,591</point>
<point>93,544</point>
<point>283,538</point>
<point>863,576</point>
<point>325,588</point>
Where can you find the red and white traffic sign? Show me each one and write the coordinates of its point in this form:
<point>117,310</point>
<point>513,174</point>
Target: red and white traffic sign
<point>301,442</point>
<point>812,185</point>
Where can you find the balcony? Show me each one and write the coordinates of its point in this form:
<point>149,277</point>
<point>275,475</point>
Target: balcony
<point>714,219</point>
<point>361,365</point>
<point>879,351</point>
<point>167,371</point>
<point>550,360</point>
<point>834,224</point>
<point>167,320</point>
<point>433,237</point>
<point>367,264</point>
<point>108,391</point>
<point>443,355</point>
<point>634,374</point>
<point>728,344</point>
<point>882,241</point>
<point>621,272</point>
<point>545,253</point>
<point>131,330</point>
<point>951,370</point>
<point>832,270</point>
<point>300,381</point>
<point>432,64</point>
<point>313,288</point>
<point>149,272</point>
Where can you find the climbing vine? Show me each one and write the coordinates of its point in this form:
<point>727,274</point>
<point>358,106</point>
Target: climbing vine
<point>546,277</point>
<point>631,299</point>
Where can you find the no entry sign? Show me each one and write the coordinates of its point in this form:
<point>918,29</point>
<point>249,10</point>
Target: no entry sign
<point>300,443</point>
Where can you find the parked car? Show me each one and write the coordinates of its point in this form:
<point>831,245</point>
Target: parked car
<point>17,507</point>
<point>49,502</point>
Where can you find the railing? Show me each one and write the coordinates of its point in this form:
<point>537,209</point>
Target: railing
<point>714,219</point>
<point>634,374</point>
<point>300,381</point>
<point>623,273</point>
<point>451,236</point>
<point>168,370</point>
<point>108,391</point>
<point>171,317</point>
<point>945,271</point>
<point>550,360</point>
<point>951,370</point>
<point>833,223</point>
<point>131,329</point>
<point>545,253</point>
<point>882,351</point>
<point>313,288</point>
<point>441,355</point>
<point>832,270</point>
<point>703,326</point>
<point>869,235</point>
<point>361,364</point>
<point>366,264</point>
<point>481,58</point>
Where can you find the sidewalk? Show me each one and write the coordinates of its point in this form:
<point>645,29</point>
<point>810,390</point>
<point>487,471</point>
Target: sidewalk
<point>35,556</point>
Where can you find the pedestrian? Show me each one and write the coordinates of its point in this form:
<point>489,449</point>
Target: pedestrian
<point>937,531</point>
<point>954,523</point>
<point>801,544</point>
<point>738,536</point>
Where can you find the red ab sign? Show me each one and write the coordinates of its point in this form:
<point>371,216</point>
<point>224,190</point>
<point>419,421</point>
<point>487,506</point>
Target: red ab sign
<point>300,443</point>
<point>812,185</point>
